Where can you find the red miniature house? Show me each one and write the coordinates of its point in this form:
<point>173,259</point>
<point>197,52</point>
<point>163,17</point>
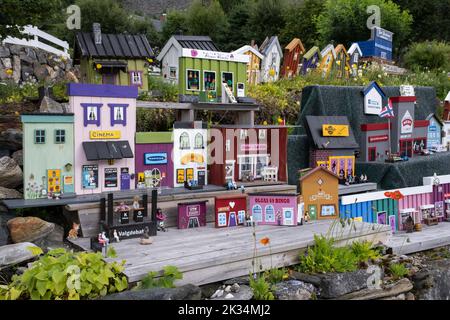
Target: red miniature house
<point>192,214</point>
<point>230,210</point>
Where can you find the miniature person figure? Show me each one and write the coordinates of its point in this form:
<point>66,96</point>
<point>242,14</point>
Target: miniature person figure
<point>105,239</point>
<point>146,239</point>
<point>73,233</point>
<point>248,220</point>
<point>116,236</point>
<point>136,202</point>
<point>161,218</point>
<point>409,224</point>
<point>122,207</point>
<point>306,216</point>
<point>279,218</point>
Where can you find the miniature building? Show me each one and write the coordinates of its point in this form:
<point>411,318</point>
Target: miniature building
<point>407,136</point>
<point>328,56</point>
<point>191,214</point>
<point>374,98</point>
<point>48,154</point>
<point>190,153</point>
<point>446,116</point>
<point>333,144</point>
<point>270,64</point>
<point>311,60</point>
<point>230,210</point>
<point>341,66</point>
<point>173,50</point>
<point>254,64</point>
<point>118,59</point>
<point>104,130</point>
<point>248,153</point>
<point>292,57</point>
<point>434,135</point>
<point>154,165</point>
<point>355,54</point>
<point>319,188</point>
<point>379,45</point>
<point>274,209</point>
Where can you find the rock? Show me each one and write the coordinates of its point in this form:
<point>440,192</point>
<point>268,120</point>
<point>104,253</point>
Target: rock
<point>6,193</point>
<point>395,289</point>
<point>70,77</point>
<point>217,294</point>
<point>229,296</point>
<point>29,229</point>
<point>434,282</point>
<point>4,52</point>
<point>208,290</point>
<point>4,153</point>
<point>16,69</point>
<point>238,280</point>
<point>41,57</point>
<point>293,290</point>
<point>410,296</point>
<point>15,49</point>
<point>48,105</point>
<point>4,232</point>
<point>235,288</point>
<point>27,72</point>
<point>40,72</point>
<point>12,254</point>
<point>11,139</point>
<point>146,241</point>
<point>399,297</point>
<point>53,240</point>
<point>10,173</point>
<point>6,63</point>
<point>186,292</point>
<point>245,293</point>
<point>227,289</point>
<point>27,57</point>
<point>18,157</point>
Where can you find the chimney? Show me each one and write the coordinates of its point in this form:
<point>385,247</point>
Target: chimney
<point>163,17</point>
<point>252,43</point>
<point>97,31</point>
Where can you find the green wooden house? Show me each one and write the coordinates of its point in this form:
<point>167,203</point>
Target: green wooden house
<point>119,59</point>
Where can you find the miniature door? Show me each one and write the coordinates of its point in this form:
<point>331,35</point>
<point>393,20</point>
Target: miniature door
<point>232,220</point>
<point>312,210</point>
<point>124,179</point>
<point>288,217</point>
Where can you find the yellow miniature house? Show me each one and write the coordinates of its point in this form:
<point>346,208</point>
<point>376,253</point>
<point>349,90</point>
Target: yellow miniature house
<point>254,64</point>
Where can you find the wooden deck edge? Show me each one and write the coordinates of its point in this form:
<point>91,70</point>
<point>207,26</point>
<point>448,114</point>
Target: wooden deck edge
<point>414,247</point>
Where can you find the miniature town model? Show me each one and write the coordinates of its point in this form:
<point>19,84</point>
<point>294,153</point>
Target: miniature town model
<point>271,63</point>
<point>254,64</point>
<point>292,58</point>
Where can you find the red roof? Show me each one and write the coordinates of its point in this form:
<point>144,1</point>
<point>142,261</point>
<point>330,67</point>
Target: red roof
<point>403,99</point>
<point>374,126</point>
<point>421,123</point>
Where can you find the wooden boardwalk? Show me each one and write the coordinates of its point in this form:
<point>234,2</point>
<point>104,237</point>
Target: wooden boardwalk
<point>429,238</point>
<point>207,254</point>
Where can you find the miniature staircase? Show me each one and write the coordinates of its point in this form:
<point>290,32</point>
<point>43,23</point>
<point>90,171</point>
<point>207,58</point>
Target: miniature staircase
<point>229,94</point>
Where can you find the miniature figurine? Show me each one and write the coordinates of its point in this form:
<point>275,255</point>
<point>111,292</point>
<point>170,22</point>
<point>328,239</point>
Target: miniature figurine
<point>248,220</point>
<point>73,233</point>
<point>136,202</point>
<point>116,236</point>
<point>279,218</point>
<point>306,219</point>
<point>122,207</point>
<point>145,239</point>
<point>242,189</point>
<point>104,238</point>
<point>409,224</point>
<point>161,218</point>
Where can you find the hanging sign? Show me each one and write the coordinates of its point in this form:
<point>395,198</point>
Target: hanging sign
<point>407,123</point>
<point>104,134</point>
<point>335,130</point>
<point>379,138</point>
<point>407,91</point>
<point>155,158</point>
<point>215,55</point>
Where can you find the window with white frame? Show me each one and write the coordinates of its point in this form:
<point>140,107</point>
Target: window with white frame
<point>184,141</point>
<point>172,72</point>
<point>270,213</point>
<point>198,143</point>
<point>60,136</point>
<point>136,78</point>
<point>39,136</point>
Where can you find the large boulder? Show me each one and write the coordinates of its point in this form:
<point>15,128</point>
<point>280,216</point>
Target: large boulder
<point>6,193</point>
<point>333,285</point>
<point>293,290</point>
<point>29,229</point>
<point>48,105</point>
<point>53,240</point>
<point>186,292</point>
<point>11,139</point>
<point>4,52</point>
<point>10,173</point>
<point>433,283</point>
<point>16,68</point>
<point>18,157</point>
<point>7,64</point>
<point>40,72</point>
<point>4,232</point>
<point>13,254</point>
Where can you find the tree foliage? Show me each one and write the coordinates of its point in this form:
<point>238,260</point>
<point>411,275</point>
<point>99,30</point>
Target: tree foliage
<point>176,23</point>
<point>432,55</point>
<point>267,19</point>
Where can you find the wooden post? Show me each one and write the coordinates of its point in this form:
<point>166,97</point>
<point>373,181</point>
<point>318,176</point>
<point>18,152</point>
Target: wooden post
<point>145,204</point>
<point>154,203</point>
<point>103,209</point>
<point>110,220</point>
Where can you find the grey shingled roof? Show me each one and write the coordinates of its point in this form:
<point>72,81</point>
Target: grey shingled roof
<point>114,46</point>
<point>314,130</point>
<point>196,42</point>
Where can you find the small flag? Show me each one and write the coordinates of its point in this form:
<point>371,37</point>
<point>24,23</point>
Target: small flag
<point>387,111</point>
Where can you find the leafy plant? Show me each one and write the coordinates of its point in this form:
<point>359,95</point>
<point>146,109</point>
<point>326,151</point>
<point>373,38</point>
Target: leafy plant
<point>275,275</point>
<point>65,275</point>
<point>428,55</point>
<point>398,270</point>
<point>156,280</point>
<point>364,251</point>
<point>261,287</point>
<point>111,253</point>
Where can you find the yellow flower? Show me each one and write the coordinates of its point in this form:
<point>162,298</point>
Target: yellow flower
<point>98,66</point>
<point>150,60</point>
<point>271,72</point>
<point>9,72</point>
<point>265,123</point>
<point>346,68</point>
<point>338,62</point>
<point>265,241</point>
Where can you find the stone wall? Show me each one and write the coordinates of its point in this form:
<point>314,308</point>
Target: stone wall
<point>21,63</point>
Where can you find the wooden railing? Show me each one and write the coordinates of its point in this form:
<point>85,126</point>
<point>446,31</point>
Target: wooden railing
<point>35,42</point>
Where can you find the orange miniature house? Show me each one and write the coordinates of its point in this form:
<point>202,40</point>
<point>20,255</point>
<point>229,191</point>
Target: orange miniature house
<point>319,189</point>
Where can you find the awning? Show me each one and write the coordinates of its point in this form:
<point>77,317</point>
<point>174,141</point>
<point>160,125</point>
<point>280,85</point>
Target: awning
<point>107,150</point>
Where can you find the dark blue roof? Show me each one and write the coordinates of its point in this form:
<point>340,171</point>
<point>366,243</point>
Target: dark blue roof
<point>375,85</point>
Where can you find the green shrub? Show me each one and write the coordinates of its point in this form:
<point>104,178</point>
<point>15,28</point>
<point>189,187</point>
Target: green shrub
<point>156,280</point>
<point>60,92</point>
<point>324,257</point>
<point>154,119</point>
<point>167,91</point>
<point>275,275</point>
<point>398,270</point>
<point>65,275</point>
<point>261,288</point>
<point>428,55</point>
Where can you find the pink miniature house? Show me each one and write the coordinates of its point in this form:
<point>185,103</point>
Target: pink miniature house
<point>274,209</point>
<point>104,129</point>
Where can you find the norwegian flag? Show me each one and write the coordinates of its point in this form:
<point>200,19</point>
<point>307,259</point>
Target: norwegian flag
<point>387,111</point>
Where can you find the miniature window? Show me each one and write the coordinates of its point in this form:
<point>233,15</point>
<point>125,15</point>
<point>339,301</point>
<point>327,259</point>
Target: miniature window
<point>328,211</point>
<point>91,113</point>
<point>184,141</point>
<point>136,78</point>
<point>257,213</point>
<point>262,133</point>
<point>209,80</point>
<point>227,77</point>
<point>60,136</point>
<point>173,72</point>
<point>199,141</point>
<point>39,136</point>
<point>193,80</point>
<point>228,145</point>
<point>270,213</point>
<point>118,114</point>
<point>243,134</point>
